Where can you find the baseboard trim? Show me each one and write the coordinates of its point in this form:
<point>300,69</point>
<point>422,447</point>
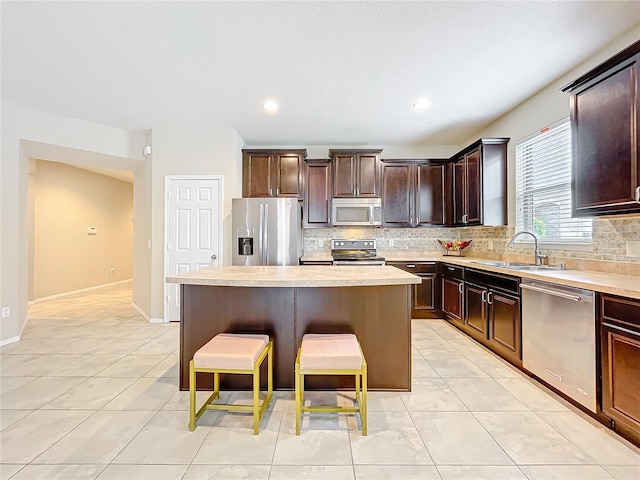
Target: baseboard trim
<point>64,294</point>
<point>140,311</point>
<point>7,341</point>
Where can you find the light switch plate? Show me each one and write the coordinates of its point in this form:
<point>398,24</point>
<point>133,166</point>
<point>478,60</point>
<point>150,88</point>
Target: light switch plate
<point>391,242</point>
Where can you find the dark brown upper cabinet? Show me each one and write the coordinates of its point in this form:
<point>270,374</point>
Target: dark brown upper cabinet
<point>413,193</point>
<point>317,193</point>
<point>605,127</point>
<point>272,173</point>
<point>479,184</point>
<point>356,173</point>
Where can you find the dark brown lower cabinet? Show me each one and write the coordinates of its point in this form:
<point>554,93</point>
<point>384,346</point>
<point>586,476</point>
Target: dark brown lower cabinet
<point>505,326</point>
<point>452,287</point>
<point>620,363</point>
<point>425,296</point>
<point>492,313</point>
<point>475,319</point>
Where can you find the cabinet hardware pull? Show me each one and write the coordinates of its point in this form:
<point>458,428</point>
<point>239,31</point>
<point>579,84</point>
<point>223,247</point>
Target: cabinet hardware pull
<point>411,265</point>
<point>460,287</point>
<point>450,268</point>
<point>465,218</point>
<point>484,296</point>
<point>489,298</point>
<point>357,191</point>
<point>277,191</point>
<point>638,194</point>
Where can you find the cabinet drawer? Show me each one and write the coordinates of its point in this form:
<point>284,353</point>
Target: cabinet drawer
<point>415,267</point>
<point>451,271</point>
<point>622,310</point>
<point>505,283</point>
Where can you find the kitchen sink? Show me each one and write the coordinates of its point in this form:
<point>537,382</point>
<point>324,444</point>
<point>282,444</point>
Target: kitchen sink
<point>560,266</point>
<point>523,266</point>
<point>504,264</point>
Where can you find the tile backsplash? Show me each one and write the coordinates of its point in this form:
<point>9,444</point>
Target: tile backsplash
<point>615,239</point>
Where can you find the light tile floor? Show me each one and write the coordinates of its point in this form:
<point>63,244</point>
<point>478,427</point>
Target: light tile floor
<point>91,392</point>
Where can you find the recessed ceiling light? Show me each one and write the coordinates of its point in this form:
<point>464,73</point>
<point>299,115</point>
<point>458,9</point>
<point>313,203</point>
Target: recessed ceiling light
<point>422,103</point>
<point>270,106</point>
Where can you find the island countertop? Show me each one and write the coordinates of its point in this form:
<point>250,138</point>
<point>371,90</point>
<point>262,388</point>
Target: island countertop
<point>296,276</point>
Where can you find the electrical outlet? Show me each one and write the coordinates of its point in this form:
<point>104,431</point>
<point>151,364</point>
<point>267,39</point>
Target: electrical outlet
<point>391,242</point>
<point>321,243</point>
<point>6,312</point>
<point>490,244</point>
<point>633,248</point>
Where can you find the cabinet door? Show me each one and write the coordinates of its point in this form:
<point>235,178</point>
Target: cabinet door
<point>344,175</point>
<point>459,196</point>
<point>368,175</point>
<point>605,122</point>
<point>424,294</point>
<point>473,188</point>
<point>505,327</point>
<point>620,378</point>
<point>475,320</point>
<point>317,197</point>
<point>452,299</point>
<point>257,171</point>
<point>429,195</point>
<point>397,195</point>
<point>288,175</point>
<point>620,362</point>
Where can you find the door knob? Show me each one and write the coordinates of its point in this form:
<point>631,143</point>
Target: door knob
<point>214,257</point>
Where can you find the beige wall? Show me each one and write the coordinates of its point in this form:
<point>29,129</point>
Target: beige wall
<point>611,235</point>
<point>69,200</point>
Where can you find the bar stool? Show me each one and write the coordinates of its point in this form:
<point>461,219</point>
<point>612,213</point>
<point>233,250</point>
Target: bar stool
<point>331,354</point>
<point>232,353</point>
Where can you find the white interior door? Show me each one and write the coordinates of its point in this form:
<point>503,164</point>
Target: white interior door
<point>194,230</point>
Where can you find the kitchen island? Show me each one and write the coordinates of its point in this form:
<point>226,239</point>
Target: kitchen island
<point>373,302</point>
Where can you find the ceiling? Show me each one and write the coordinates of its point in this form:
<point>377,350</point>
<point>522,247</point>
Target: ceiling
<point>342,72</point>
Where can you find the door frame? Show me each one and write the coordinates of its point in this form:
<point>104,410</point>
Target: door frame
<point>167,182</point>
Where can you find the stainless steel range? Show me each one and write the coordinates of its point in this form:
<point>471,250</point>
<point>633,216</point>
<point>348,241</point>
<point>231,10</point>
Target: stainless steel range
<point>355,252</point>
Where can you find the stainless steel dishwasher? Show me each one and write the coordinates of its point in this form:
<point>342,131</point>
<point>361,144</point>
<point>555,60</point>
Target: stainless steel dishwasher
<point>558,338</point>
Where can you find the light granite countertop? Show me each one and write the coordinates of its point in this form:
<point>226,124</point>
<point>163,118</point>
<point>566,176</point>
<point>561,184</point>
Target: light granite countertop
<point>296,276</point>
<point>615,284</point>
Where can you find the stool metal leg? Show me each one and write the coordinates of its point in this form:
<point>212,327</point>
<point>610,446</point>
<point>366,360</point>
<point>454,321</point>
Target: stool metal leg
<point>363,407</point>
<point>256,398</point>
<point>192,397</point>
<point>298,399</point>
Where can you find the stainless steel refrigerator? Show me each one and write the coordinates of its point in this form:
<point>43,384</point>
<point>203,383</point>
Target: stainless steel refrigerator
<point>267,231</point>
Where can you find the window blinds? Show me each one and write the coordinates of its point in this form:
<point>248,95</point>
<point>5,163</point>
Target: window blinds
<point>543,187</point>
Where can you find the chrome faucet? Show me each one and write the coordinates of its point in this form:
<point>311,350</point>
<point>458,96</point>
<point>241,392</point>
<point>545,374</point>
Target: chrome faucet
<point>538,256</point>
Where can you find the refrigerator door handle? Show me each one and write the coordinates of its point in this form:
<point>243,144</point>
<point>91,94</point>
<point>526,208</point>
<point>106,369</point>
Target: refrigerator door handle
<point>265,236</point>
<point>261,234</point>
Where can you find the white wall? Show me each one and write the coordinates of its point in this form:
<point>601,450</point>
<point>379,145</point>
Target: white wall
<point>201,148</point>
<point>21,125</point>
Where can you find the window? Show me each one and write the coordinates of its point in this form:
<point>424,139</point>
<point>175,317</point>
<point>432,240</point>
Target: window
<point>543,187</point>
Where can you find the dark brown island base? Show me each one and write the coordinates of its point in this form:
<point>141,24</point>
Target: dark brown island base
<point>373,302</point>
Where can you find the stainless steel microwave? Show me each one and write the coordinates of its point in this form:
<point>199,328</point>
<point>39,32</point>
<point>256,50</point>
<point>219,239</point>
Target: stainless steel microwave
<point>356,212</point>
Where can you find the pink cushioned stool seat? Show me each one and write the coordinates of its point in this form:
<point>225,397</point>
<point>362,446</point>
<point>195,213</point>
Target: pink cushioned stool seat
<point>230,351</point>
<point>330,352</point>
